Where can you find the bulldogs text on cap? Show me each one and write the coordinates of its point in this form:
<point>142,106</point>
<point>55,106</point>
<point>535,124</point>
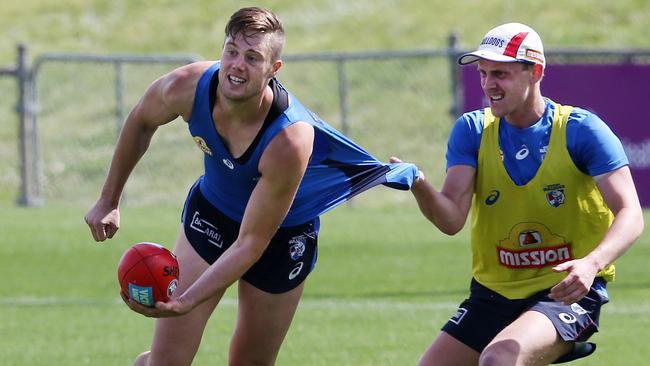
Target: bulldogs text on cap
<point>511,42</point>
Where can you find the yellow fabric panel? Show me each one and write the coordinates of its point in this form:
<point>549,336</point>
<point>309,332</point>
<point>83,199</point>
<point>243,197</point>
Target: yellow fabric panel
<point>520,232</point>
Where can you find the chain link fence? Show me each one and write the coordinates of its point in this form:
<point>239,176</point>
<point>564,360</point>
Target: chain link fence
<point>82,102</point>
<point>392,103</point>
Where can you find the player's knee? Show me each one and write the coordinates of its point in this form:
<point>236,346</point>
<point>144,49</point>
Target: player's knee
<point>500,353</point>
<point>142,359</point>
<point>149,358</point>
<point>240,359</point>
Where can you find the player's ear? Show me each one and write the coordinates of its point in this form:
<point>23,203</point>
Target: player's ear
<point>538,72</point>
<point>276,67</point>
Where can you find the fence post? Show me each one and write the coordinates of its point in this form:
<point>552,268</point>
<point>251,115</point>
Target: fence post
<point>29,181</point>
<point>456,84</point>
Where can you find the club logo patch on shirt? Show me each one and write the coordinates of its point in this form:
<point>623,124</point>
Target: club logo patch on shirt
<point>567,318</point>
<point>555,194</point>
<point>200,142</point>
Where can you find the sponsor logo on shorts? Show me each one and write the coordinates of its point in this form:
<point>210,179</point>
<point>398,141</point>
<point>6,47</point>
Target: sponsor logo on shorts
<point>310,234</point>
<point>172,287</point>
<point>576,308</point>
<point>567,318</point>
<point>203,226</point>
<point>458,317</point>
<point>295,271</point>
<point>142,295</point>
<point>534,258</point>
<point>297,247</point>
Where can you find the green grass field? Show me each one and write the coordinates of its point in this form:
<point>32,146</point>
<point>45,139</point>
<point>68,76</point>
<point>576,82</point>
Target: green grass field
<point>386,279</point>
<point>385,282</point>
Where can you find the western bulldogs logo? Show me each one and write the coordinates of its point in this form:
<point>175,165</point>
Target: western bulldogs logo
<point>555,194</point>
<point>297,247</point>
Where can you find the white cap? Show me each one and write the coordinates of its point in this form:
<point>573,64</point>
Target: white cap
<point>511,42</point>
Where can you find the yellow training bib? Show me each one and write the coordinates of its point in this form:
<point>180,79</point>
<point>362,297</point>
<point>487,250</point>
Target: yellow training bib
<point>520,232</point>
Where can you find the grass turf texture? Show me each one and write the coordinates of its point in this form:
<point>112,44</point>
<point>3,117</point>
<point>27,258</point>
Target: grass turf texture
<point>384,284</point>
<point>396,107</point>
<point>386,280</point>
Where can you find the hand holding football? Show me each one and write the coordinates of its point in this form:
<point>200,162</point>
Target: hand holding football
<point>147,273</point>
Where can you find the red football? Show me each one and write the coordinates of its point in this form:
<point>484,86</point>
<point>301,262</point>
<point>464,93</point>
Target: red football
<point>147,273</point>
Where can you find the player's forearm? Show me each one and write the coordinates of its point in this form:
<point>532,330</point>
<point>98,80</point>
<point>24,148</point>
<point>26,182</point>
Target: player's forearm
<point>437,208</point>
<point>132,144</point>
<point>229,268</point>
<point>626,228</point>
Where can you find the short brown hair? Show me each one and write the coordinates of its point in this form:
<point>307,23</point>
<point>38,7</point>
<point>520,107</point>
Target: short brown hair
<point>253,20</point>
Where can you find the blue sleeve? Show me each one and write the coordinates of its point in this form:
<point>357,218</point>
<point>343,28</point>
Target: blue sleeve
<point>401,176</point>
<point>593,146</point>
<point>465,140</point>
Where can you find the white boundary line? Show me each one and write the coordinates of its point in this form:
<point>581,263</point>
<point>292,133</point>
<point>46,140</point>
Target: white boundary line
<point>313,303</point>
<point>642,308</point>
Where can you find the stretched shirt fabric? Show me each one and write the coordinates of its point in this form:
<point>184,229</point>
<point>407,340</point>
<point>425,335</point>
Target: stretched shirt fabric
<point>338,169</point>
<point>520,231</point>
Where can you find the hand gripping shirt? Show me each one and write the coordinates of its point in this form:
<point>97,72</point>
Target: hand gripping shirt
<point>338,169</point>
<point>519,232</point>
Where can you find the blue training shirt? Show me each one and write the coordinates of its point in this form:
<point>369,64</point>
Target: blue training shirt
<point>338,169</point>
<point>592,145</point>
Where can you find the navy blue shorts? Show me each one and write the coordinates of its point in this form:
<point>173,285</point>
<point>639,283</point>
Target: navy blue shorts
<point>486,313</point>
<point>290,256</point>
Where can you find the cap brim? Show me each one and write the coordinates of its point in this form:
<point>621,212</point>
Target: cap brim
<point>471,57</point>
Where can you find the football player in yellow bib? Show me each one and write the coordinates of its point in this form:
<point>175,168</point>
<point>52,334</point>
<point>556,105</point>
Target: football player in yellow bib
<point>553,206</point>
